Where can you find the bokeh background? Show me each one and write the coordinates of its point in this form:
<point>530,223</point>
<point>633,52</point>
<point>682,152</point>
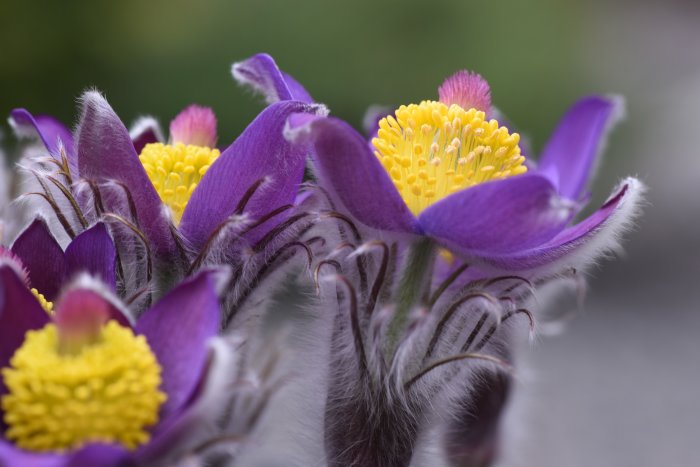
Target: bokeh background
<point>621,385</point>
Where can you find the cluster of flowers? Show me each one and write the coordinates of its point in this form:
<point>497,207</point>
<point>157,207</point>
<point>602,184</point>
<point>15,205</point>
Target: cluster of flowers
<point>158,296</point>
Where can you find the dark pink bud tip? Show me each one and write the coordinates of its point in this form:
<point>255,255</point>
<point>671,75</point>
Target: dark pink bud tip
<point>195,125</point>
<point>466,89</point>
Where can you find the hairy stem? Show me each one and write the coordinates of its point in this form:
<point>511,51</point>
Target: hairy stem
<point>413,288</point>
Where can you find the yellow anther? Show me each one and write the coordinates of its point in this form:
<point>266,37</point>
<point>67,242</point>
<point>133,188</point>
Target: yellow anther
<point>464,149</point>
<point>170,167</point>
<point>45,304</point>
<point>108,392</point>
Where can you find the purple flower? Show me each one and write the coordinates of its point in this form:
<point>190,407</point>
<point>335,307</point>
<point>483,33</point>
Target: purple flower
<point>135,175</point>
<point>442,169</point>
<point>106,390</point>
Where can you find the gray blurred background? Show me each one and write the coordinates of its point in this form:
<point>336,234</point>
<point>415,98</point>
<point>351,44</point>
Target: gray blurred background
<point>620,386</point>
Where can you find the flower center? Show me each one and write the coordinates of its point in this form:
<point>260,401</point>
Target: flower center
<point>103,392</point>
<point>431,150</point>
<point>175,170</point>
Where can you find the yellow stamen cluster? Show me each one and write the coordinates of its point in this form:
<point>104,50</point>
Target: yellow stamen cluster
<point>175,170</point>
<point>106,392</point>
<point>431,150</point>
<point>45,304</point>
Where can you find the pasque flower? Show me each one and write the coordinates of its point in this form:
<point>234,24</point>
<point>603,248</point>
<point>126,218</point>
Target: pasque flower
<point>177,193</point>
<point>443,169</point>
<point>404,351</point>
<point>405,342</point>
<point>88,385</point>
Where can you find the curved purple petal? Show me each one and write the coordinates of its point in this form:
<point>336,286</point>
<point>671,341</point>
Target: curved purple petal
<point>144,131</point>
<point>260,153</point>
<point>52,133</point>
<point>347,166</point>
<point>498,217</point>
<point>299,92</point>
<point>105,152</point>
<point>103,455</point>
<point>19,312</point>
<point>42,257</point>
<point>93,252</point>
<point>585,240</point>
<point>177,329</point>
<point>191,426</point>
<point>262,74</point>
<point>569,158</point>
<point>11,456</point>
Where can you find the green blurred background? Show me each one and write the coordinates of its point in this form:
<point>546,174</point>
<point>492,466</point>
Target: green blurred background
<point>156,57</point>
<point>620,386</point>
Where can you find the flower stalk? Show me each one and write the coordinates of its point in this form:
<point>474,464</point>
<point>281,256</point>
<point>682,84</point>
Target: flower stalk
<point>413,287</point>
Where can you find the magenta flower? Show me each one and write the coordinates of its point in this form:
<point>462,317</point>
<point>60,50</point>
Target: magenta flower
<point>105,391</point>
<point>444,170</point>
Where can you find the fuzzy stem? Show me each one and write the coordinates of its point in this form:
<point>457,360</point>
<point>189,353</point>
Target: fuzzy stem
<point>414,286</point>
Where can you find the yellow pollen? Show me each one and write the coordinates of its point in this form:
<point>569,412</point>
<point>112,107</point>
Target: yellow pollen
<point>45,304</point>
<point>107,392</point>
<point>465,149</point>
<point>175,170</point>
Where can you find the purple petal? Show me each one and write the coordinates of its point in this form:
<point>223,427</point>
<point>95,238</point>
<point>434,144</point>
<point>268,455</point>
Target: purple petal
<point>261,73</point>
<point>260,153</point>
<point>42,257</point>
<point>189,428</point>
<point>93,252</point>
<point>19,312</point>
<point>569,158</point>
<point>105,152</point>
<point>347,166</point>
<point>10,456</point>
<point>177,329</point>
<point>584,241</point>
<point>52,133</point>
<point>298,92</point>
<point>145,130</point>
<point>498,217</point>
<point>103,455</point>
